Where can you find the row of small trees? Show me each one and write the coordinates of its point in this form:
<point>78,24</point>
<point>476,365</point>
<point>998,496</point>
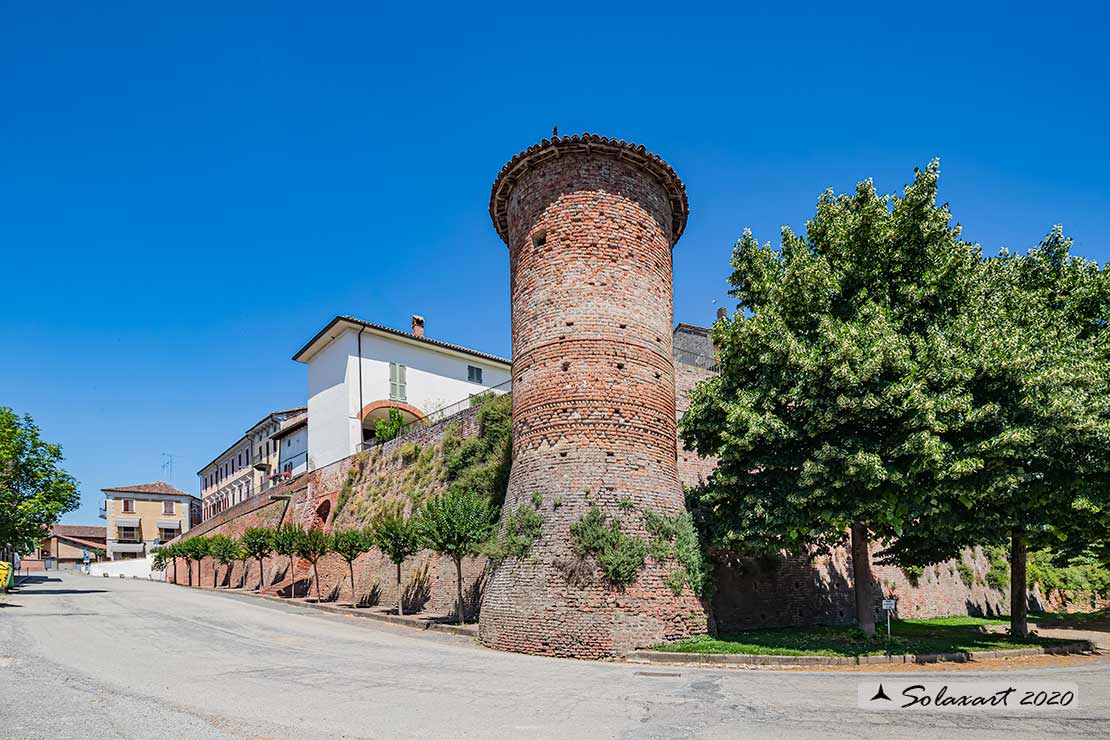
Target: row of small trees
<point>455,524</point>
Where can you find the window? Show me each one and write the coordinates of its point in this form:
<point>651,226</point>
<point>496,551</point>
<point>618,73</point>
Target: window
<point>396,382</point>
<point>165,535</point>
<point>167,507</point>
<point>128,534</point>
<point>474,374</point>
<point>129,506</point>
<point>240,459</point>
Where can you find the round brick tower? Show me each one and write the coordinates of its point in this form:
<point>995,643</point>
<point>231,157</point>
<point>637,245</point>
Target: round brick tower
<point>590,223</point>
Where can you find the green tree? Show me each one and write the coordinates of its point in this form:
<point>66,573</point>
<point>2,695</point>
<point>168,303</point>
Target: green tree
<point>456,524</point>
<point>224,550</point>
<point>194,550</point>
<point>388,427</point>
<point>160,558</point>
<point>1032,464</point>
<point>349,544</point>
<point>833,394</point>
<point>34,490</point>
<point>285,540</point>
<point>258,544</point>
<point>313,544</point>
<point>399,538</point>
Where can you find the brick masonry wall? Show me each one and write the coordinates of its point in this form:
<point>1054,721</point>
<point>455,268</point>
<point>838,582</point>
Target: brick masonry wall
<point>384,476</point>
<point>589,240</point>
<point>807,591</point>
<point>693,470</point>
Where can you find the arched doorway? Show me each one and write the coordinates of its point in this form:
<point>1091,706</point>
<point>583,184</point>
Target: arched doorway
<point>376,410</point>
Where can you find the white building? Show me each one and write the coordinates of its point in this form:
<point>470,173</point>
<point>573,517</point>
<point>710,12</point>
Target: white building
<point>292,444</point>
<point>358,371</point>
<point>247,467</point>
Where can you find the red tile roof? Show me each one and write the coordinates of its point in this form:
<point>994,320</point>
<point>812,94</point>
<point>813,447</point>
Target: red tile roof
<point>155,487</point>
<point>75,530</point>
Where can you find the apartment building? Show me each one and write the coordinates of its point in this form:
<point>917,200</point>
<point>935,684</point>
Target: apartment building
<point>248,466</point>
<point>359,371</point>
<point>142,516</point>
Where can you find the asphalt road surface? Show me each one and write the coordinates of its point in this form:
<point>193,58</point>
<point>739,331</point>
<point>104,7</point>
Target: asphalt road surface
<point>84,657</point>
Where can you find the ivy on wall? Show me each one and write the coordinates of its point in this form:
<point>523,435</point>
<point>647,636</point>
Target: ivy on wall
<point>621,556</point>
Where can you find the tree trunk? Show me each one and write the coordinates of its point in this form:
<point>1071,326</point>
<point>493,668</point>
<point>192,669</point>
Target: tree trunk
<point>400,594</point>
<point>215,572</point>
<point>354,599</point>
<point>1019,596</point>
<point>458,582</point>
<point>261,574</point>
<point>292,579</point>
<point>316,580</point>
<point>861,578</point>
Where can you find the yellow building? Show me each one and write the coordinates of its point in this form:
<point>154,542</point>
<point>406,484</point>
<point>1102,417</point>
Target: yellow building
<point>142,516</point>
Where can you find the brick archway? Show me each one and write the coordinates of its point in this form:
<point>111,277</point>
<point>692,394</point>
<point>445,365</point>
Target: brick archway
<point>376,405</point>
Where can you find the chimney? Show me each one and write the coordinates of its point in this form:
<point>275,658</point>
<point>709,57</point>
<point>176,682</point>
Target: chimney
<point>418,325</point>
<point>722,313</point>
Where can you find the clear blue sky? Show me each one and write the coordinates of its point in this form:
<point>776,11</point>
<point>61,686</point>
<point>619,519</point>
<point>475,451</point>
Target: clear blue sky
<point>186,196</point>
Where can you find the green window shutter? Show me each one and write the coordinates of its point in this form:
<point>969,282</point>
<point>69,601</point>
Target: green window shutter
<point>396,381</point>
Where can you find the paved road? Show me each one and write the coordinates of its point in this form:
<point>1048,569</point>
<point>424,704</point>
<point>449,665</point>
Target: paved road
<point>86,657</point>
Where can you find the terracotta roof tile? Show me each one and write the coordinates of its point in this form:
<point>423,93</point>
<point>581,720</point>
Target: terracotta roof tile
<point>77,530</point>
<point>156,487</point>
<point>399,333</point>
<point>591,143</point>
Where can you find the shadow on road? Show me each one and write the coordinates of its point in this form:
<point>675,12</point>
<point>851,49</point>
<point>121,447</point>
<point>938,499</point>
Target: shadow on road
<point>58,591</point>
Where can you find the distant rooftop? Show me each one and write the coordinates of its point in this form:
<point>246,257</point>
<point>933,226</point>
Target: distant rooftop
<point>155,487</point>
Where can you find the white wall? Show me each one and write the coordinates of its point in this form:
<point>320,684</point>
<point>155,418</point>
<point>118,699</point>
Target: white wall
<point>329,413</point>
<point>434,378</point>
<point>293,448</point>
<point>137,568</point>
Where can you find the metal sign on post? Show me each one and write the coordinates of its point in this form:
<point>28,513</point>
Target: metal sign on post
<point>889,605</point>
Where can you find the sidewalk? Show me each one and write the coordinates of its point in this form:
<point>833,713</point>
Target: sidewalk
<point>420,621</point>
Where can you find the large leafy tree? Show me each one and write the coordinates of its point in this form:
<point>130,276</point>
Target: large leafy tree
<point>833,394</point>
<point>399,538</point>
<point>456,524</point>
<point>34,490</point>
<point>1032,464</point>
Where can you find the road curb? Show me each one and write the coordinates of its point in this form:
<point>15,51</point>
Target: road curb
<point>411,623</point>
<point>710,659</point>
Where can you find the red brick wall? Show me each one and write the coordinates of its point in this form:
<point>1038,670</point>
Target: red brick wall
<point>590,242</point>
<point>384,475</point>
<point>801,591</point>
<point>693,470</point>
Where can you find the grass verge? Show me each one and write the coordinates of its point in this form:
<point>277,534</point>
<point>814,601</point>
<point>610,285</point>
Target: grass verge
<point>909,636</point>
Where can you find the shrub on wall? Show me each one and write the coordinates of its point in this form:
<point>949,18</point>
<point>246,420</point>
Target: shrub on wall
<point>481,464</point>
<point>618,555</point>
<point>967,575</point>
<point>913,573</point>
<point>674,538</point>
<point>519,530</point>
